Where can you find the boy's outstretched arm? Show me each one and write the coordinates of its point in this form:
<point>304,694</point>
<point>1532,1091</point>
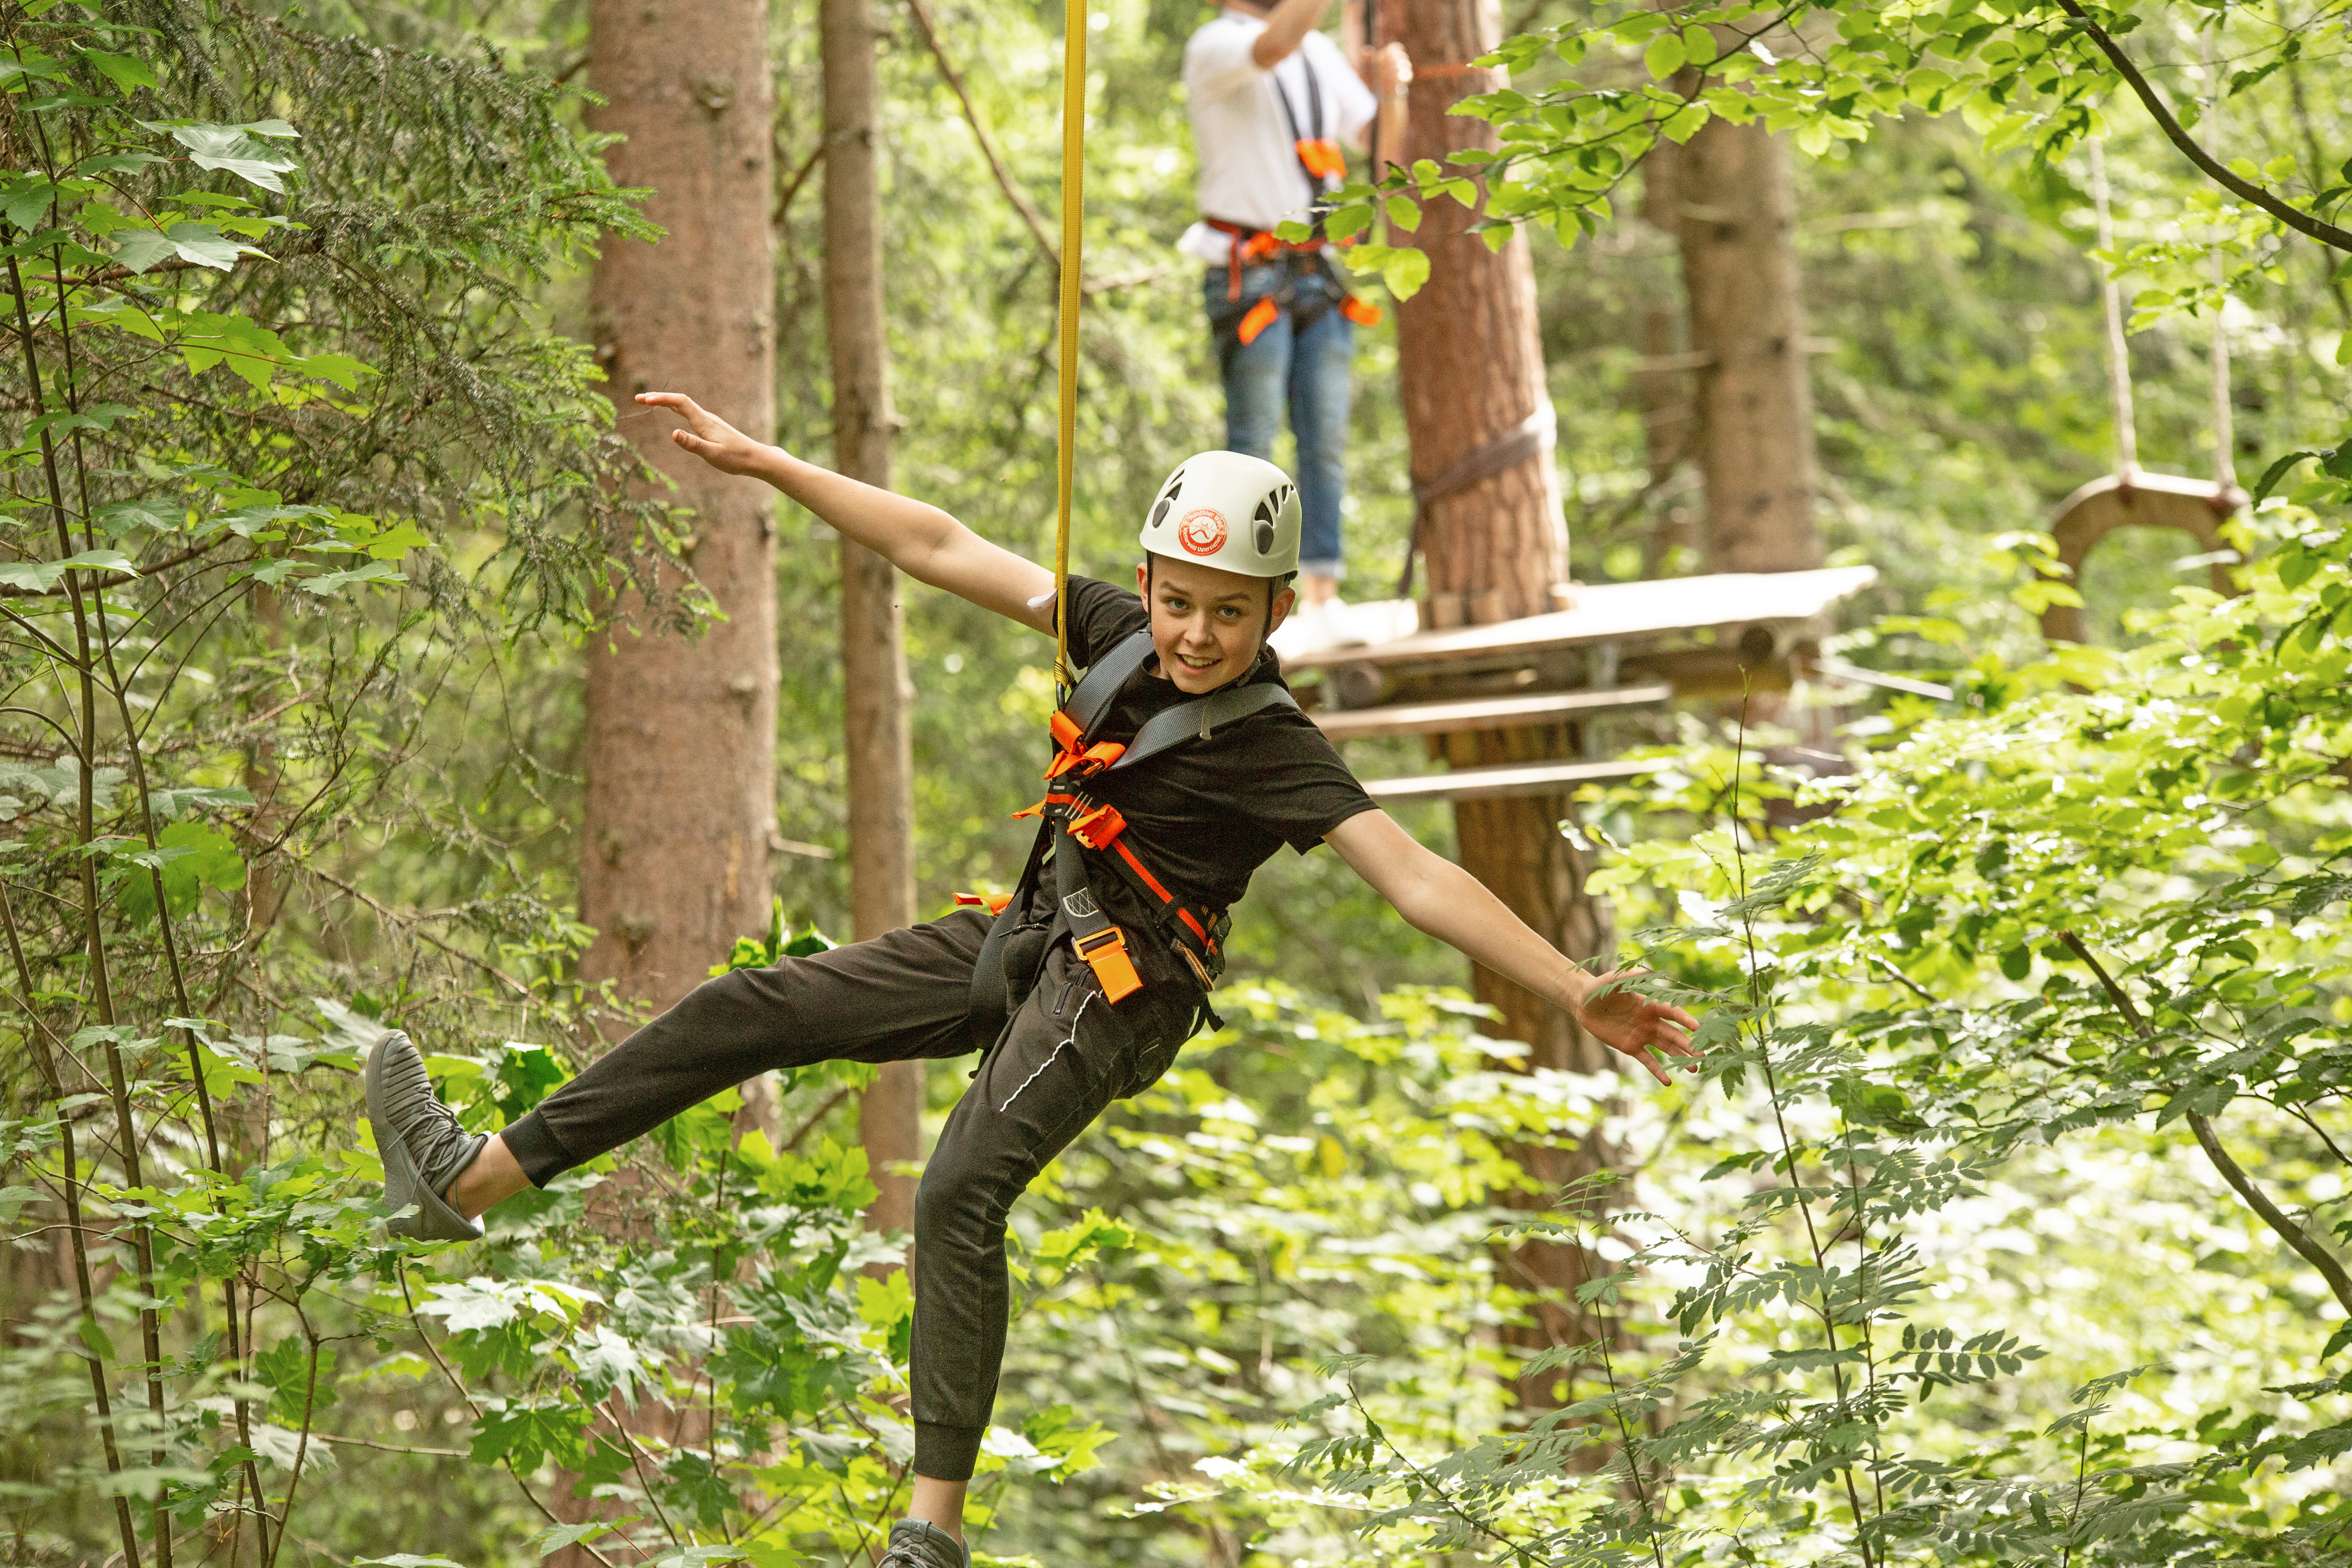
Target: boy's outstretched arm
<point>919,539</point>
<point>1438,896</point>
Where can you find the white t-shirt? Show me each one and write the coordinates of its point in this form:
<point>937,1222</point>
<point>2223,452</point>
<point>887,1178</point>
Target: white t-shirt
<point>1249,168</point>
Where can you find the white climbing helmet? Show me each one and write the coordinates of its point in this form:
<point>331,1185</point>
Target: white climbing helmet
<point>1226,509</point>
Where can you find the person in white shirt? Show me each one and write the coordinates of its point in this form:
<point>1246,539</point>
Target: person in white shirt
<point>1272,99</point>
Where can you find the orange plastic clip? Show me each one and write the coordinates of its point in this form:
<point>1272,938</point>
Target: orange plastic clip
<point>1041,806</point>
<point>1096,828</point>
<point>1261,316</point>
<point>1093,760</point>
<point>1322,157</point>
<point>993,903</point>
<point>1106,953</point>
<point>1361,311</point>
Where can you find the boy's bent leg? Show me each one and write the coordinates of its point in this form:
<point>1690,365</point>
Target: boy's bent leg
<point>1066,1055</point>
<point>901,996</point>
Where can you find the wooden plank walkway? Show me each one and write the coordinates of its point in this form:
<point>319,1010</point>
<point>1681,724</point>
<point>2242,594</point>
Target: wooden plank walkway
<point>1612,612</point>
<point>1506,780</point>
<point>1485,713</point>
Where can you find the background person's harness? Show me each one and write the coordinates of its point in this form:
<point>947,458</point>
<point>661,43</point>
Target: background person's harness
<point>1072,822</point>
<point>1309,286</point>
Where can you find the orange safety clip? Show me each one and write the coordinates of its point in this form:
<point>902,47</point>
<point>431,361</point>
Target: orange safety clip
<point>1361,310</point>
<point>1096,828</point>
<point>1093,760</point>
<point>1039,808</point>
<point>1322,157</point>
<point>993,903</point>
<point>1261,316</point>
<point>1106,953</point>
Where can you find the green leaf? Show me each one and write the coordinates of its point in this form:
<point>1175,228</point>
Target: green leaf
<point>229,149</point>
<point>95,1338</point>
<point>40,576</point>
<point>556,1537</point>
<point>1404,211</point>
<point>1664,56</point>
<point>125,72</point>
<point>410,1559</point>
<point>197,244</point>
<point>191,857</point>
<point>1405,272</point>
<point>2276,472</point>
<point>24,201</point>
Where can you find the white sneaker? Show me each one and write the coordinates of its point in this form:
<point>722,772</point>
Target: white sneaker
<point>1318,628</point>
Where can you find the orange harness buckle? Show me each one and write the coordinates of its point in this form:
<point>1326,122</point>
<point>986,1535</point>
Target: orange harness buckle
<point>1321,157</point>
<point>1105,954</point>
<point>1096,828</point>
<point>1091,761</point>
<point>1261,316</point>
<point>993,903</point>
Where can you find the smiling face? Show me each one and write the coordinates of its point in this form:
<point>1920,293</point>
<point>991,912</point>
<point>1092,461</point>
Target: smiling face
<point>1206,625</point>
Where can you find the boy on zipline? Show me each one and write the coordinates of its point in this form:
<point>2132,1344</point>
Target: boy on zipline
<point>1182,765</point>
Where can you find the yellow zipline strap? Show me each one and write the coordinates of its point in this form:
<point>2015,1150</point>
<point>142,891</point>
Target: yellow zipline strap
<point>1074,207</point>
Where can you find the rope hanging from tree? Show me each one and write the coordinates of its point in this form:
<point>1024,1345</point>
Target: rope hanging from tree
<point>1073,161</point>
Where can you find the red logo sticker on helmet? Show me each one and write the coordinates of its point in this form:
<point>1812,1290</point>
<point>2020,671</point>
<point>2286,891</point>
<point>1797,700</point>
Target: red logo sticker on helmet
<point>1202,533</point>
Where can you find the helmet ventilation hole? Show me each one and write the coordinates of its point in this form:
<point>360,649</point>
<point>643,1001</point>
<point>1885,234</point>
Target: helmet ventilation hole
<point>1159,513</point>
<point>1263,532</point>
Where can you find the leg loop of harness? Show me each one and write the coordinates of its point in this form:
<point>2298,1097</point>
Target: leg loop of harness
<point>1106,953</point>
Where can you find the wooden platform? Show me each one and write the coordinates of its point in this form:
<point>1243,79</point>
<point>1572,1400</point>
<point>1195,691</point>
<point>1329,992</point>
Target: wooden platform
<point>1610,612</point>
<point>1506,780</point>
<point>1485,713</point>
<point>1698,638</point>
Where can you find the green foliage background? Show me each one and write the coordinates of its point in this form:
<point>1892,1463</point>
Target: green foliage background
<point>1928,1266</point>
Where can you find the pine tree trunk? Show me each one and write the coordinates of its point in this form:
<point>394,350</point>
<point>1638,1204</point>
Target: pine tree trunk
<point>1734,213</point>
<point>1470,364</point>
<point>1470,361</point>
<point>873,639</point>
<point>681,729</point>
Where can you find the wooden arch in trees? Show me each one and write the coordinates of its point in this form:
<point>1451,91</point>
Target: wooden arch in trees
<point>2135,500</point>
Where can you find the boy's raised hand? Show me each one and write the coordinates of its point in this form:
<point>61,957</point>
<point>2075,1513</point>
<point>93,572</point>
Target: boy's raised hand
<point>1626,1021</point>
<point>709,436</point>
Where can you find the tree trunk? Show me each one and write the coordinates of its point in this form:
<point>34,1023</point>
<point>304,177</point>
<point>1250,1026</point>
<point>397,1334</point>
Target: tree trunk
<point>681,731</point>
<point>1470,363</point>
<point>873,639</point>
<point>1734,213</point>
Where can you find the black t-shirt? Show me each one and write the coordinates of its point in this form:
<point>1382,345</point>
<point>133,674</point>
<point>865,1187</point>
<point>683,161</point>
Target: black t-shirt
<point>1205,814</point>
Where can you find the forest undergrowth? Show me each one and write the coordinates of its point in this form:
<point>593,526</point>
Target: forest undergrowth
<point>2003,1224</point>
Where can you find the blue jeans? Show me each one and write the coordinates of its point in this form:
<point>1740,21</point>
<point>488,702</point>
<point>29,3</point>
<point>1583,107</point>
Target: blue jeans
<point>1309,371</point>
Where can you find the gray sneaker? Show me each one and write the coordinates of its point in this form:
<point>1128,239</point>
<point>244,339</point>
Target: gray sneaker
<point>423,1148</point>
<point>918,1543</point>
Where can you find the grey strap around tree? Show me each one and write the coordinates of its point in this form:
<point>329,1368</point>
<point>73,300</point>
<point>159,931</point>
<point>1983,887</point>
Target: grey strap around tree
<point>1530,438</point>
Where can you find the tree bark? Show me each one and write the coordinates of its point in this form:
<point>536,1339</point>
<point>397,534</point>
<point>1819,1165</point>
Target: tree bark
<point>1470,364</point>
<point>872,630</point>
<point>680,752</point>
<point>1734,213</point>
<point>1470,361</point>
<point>681,729</point>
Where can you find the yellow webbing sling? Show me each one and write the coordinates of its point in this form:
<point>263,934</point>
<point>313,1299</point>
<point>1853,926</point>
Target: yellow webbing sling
<point>1074,160</point>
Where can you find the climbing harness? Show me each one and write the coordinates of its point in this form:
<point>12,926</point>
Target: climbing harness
<point>1308,287</point>
<point>1075,829</point>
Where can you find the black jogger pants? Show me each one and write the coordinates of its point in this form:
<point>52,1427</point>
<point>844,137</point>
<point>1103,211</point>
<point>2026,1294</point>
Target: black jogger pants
<point>1066,1055</point>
